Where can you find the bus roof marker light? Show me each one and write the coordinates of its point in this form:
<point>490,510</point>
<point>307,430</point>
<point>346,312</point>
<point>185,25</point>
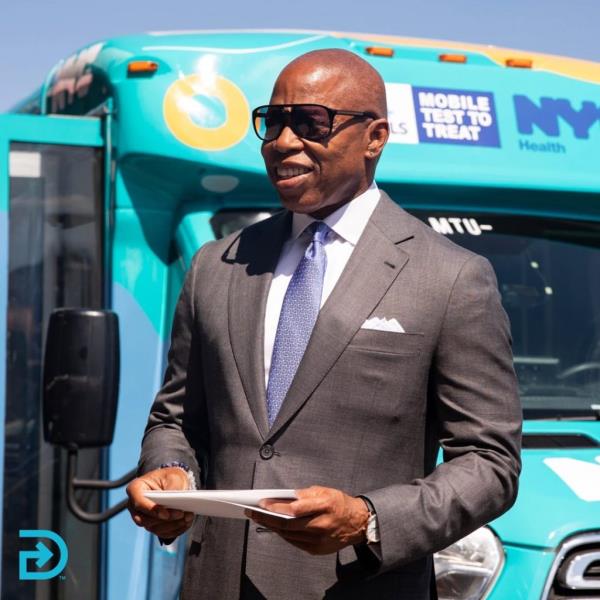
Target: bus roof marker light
<point>519,63</point>
<point>142,67</point>
<point>380,51</point>
<point>453,58</point>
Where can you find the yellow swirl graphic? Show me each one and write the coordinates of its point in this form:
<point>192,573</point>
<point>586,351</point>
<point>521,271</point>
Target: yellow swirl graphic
<point>180,105</point>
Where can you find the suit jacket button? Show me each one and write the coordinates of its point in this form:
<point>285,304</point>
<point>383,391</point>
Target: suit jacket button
<point>266,452</point>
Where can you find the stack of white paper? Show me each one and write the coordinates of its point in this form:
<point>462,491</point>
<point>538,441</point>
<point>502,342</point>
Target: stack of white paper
<point>220,503</point>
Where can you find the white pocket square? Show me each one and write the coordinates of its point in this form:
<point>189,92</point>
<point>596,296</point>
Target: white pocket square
<point>383,324</point>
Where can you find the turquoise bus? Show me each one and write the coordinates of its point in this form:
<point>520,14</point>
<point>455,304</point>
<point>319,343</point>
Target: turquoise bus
<point>135,151</point>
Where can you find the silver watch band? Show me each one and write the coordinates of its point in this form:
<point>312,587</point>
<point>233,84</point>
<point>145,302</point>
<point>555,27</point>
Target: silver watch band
<point>372,525</point>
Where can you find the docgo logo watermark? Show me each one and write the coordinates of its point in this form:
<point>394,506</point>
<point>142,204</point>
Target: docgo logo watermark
<point>41,555</point>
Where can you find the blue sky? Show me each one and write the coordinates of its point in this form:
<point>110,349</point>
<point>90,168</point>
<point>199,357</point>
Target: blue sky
<point>35,34</point>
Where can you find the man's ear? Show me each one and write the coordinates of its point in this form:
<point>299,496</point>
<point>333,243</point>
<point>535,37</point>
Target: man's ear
<point>378,132</point>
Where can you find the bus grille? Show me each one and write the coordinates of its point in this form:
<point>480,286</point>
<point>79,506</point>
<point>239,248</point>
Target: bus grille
<point>575,573</point>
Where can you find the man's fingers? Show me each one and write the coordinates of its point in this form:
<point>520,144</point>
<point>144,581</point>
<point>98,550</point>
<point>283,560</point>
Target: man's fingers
<point>325,519</point>
<point>314,491</point>
<point>265,520</point>
<point>138,503</point>
<point>277,524</point>
<point>163,528</point>
<point>171,529</point>
<point>312,500</point>
<point>146,521</point>
<point>296,508</point>
<point>152,520</point>
<point>277,505</point>
<point>169,478</point>
<point>156,512</point>
<point>303,536</point>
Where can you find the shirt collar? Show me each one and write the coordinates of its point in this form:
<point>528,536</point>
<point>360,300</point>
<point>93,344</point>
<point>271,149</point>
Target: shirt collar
<point>348,221</point>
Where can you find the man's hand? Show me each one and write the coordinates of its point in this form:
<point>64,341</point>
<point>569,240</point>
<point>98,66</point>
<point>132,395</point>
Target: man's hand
<point>326,520</point>
<point>161,521</point>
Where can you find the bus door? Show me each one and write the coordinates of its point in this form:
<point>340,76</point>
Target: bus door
<point>51,255</point>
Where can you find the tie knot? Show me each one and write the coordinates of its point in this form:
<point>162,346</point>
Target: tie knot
<point>318,231</point>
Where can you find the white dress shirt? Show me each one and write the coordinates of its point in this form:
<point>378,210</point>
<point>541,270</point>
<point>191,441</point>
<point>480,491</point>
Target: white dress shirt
<point>347,224</point>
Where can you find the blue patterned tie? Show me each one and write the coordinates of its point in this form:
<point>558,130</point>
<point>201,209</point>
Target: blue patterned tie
<point>298,315</point>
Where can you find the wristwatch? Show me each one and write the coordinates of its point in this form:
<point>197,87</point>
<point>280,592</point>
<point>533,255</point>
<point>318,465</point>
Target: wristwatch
<point>372,524</point>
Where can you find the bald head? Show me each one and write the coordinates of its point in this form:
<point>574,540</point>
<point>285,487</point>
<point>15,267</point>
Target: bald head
<point>318,174</point>
<point>343,77</point>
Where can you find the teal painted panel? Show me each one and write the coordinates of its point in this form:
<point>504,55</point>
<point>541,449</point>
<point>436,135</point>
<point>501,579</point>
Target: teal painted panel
<point>142,351</point>
<point>547,509</point>
<point>53,129</point>
<point>553,505</point>
<point>140,256</point>
<point>146,222</point>
<point>193,231</point>
<point>524,574</point>
<point>192,69</point>
<point>188,123</point>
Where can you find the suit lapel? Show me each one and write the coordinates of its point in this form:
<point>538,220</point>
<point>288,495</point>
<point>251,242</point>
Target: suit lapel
<point>254,263</point>
<point>374,265</point>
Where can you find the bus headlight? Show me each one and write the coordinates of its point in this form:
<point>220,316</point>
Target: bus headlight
<point>467,569</point>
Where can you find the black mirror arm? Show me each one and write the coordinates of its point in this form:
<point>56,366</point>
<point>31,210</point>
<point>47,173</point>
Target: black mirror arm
<point>73,483</point>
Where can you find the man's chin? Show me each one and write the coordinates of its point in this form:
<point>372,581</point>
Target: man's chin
<point>299,204</point>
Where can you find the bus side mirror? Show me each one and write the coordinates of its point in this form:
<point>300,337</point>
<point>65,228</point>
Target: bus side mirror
<point>81,377</point>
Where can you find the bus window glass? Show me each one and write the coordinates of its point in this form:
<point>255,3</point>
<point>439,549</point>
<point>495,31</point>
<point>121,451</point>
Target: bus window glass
<point>547,273</point>
<point>227,221</point>
<point>55,225</point>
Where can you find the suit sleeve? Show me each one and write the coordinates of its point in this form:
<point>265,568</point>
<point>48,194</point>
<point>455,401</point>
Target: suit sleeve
<point>474,401</point>
<point>176,428</point>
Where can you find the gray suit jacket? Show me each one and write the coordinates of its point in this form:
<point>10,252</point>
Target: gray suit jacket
<point>366,412</point>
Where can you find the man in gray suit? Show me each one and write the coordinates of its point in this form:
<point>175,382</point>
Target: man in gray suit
<point>333,348</point>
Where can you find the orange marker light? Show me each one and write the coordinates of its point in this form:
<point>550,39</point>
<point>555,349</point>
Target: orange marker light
<point>519,63</point>
<point>453,58</point>
<point>142,66</point>
<point>379,51</point>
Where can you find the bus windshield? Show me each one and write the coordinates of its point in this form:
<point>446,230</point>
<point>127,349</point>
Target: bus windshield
<point>548,276</point>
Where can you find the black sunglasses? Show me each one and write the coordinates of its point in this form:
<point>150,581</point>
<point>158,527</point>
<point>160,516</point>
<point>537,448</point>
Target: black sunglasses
<point>309,121</point>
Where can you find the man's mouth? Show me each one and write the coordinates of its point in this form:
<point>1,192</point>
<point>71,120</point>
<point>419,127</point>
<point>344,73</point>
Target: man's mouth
<point>284,173</point>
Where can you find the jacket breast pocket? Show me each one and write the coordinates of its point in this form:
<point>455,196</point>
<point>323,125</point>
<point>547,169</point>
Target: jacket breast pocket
<point>387,342</point>
<point>379,378</point>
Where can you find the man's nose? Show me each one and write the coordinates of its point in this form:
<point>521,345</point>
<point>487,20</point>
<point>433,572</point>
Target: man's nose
<point>287,140</point>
